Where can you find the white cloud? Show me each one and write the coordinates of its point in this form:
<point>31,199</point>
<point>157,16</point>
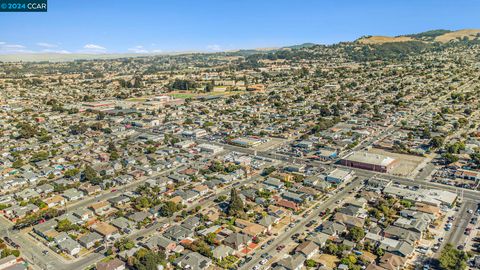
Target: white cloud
<point>94,47</point>
<point>138,49</point>
<point>56,51</point>
<point>13,46</point>
<point>47,45</point>
<point>157,51</point>
<point>6,48</point>
<point>214,47</point>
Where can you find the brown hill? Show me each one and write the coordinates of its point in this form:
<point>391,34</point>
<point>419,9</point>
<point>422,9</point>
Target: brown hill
<point>442,36</point>
<point>460,34</point>
<point>382,39</point>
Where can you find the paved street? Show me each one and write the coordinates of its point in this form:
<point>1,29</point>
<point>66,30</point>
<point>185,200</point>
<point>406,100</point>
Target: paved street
<point>284,237</point>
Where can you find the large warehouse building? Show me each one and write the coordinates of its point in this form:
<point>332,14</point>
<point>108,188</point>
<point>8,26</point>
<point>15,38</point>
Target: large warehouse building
<point>369,161</point>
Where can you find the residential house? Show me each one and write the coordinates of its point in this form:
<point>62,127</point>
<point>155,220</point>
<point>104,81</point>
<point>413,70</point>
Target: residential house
<point>222,251</point>
<point>237,241</point>
<point>69,246</point>
<point>90,239</point>
<point>160,243</point>
<point>193,261</point>
<point>307,249</point>
<point>178,233</point>
<point>294,262</point>
<point>72,194</point>
<point>104,229</point>
<point>390,261</point>
<point>114,264</point>
<point>122,224</point>
<point>101,208</point>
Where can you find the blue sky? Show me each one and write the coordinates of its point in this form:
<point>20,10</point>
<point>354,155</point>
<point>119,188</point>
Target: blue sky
<point>141,26</point>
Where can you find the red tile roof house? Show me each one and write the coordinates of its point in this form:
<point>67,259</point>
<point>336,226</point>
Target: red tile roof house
<point>287,204</point>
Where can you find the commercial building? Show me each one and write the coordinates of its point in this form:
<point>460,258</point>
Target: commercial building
<point>369,161</point>
<point>210,148</point>
<point>338,176</point>
<point>247,141</point>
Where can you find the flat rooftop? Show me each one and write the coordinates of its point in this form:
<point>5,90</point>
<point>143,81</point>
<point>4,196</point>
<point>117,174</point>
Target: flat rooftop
<point>369,158</point>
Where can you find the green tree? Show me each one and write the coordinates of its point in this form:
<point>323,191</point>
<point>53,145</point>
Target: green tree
<point>39,156</point>
<point>169,208</point>
<point>17,163</point>
<point>71,172</point>
<point>64,225</point>
<point>356,234</point>
<point>310,263</point>
<point>209,87</point>
<point>450,158</point>
<point>90,175</point>
<point>236,206</point>
<point>331,248</point>
<point>452,258</point>
<point>437,142</point>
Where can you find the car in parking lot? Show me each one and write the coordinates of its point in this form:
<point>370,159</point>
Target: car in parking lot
<point>310,223</point>
<point>280,247</point>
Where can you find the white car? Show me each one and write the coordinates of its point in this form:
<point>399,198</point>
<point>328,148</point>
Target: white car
<point>264,261</point>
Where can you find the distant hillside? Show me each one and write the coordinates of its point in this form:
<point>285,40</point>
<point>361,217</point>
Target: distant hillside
<point>62,57</point>
<point>440,35</point>
<point>429,35</point>
<point>471,34</point>
<point>375,47</point>
<point>301,46</point>
<point>382,39</point>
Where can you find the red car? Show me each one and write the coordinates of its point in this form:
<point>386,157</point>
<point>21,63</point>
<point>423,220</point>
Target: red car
<point>280,247</point>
